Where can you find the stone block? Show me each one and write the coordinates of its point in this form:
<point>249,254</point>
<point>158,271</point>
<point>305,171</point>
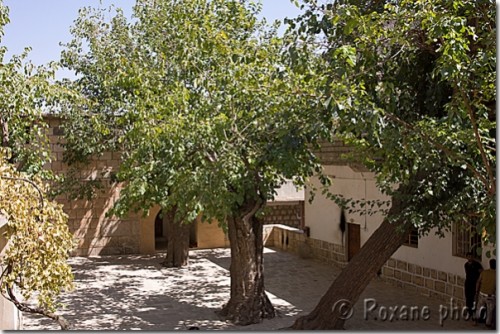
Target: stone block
<point>391,263</point>
<point>440,286</point>
<point>389,272</point>
<point>418,270</point>
<point>458,292</point>
<point>429,283</point>
<point>426,272</point>
<point>411,268</point>
<point>442,276</point>
<point>397,274</point>
<point>418,280</point>
<point>406,277</point>
<point>433,273</point>
<point>402,265</point>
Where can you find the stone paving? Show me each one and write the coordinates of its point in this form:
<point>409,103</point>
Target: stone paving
<point>135,292</point>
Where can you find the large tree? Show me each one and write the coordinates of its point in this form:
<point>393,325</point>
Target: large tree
<point>34,270</point>
<point>212,120</point>
<point>412,87</point>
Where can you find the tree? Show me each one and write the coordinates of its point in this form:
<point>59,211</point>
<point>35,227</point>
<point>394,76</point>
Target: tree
<point>177,241</point>
<point>411,85</point>
<point>38,239</point>
<point>214,120</point>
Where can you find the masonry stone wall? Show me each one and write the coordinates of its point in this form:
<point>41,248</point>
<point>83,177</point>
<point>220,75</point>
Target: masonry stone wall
<point>429,282</point>
<point>426,281</point>
<point>95,232</point>
<point>285,213</point>
<point>99,234</point>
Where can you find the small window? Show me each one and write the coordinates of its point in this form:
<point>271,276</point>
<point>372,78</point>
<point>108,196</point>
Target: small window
<point>466,239</point>
<point>412,240</point>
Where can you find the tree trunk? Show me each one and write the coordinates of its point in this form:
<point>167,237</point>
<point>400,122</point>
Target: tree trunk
<point>248,303</point>
<point>335,306</point>
<point>177,240</point>
<point>4,125</point>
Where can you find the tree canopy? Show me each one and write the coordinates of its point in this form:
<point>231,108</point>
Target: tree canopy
<point>207,113</point>
<point>412,86</point>
<point>206,104</point>
<point>38,240</point>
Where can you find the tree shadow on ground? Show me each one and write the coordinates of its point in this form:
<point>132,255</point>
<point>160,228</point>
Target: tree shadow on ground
<point>300,282</point>
<point>136,292</point>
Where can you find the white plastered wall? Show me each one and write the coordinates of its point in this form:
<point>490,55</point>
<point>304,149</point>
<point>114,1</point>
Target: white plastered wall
<point>437,253</point>
<point>10,316</point>
<point>323,217</point>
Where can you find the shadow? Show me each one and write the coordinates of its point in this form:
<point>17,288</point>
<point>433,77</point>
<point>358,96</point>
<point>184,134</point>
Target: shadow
<point>135,292</point>
<point>297,281</point>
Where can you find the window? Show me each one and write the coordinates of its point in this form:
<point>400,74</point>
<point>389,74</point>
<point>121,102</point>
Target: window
<point>412,240</point>
<point>465,239</point>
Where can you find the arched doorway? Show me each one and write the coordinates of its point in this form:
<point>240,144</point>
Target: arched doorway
<point>160,233</point>
<point>160,237</point>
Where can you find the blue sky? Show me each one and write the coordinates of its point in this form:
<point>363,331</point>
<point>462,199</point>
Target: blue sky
<point>43,24</point>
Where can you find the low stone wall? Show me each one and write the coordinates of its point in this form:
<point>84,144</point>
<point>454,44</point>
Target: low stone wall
<point>285,213</point>
<point>429,282</point>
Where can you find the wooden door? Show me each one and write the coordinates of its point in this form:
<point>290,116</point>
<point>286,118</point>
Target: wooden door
<point>353,240</point>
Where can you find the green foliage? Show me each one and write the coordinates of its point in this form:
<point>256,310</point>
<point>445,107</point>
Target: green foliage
<point>411,85</point>
<point>38,239</point>
<point>209,115</point>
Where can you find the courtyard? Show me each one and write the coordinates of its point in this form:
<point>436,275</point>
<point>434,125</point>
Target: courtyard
<point>134,292</point>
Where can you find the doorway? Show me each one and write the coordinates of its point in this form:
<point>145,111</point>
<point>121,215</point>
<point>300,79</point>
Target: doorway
<point>160,238</point>
<point>353,240</point>
<point>161,233</point>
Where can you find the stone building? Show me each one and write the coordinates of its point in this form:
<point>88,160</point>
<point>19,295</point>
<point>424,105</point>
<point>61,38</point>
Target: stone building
<point>98,234</point>
<point>430,265</point>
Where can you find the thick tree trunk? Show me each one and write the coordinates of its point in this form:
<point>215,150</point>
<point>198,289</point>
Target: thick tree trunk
<point>248,303</point>
<point>177,240</point>
<point>335,306</point>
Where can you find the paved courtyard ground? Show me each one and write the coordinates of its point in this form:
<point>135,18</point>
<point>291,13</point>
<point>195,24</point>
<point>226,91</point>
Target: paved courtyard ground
<point>135,292</point>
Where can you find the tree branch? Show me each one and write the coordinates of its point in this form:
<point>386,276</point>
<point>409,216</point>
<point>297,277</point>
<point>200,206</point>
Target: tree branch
<point>447,151</point>
<point>23,307</point>
<point>487,165</point>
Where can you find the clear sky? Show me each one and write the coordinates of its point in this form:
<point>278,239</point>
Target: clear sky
<point>43,24</point>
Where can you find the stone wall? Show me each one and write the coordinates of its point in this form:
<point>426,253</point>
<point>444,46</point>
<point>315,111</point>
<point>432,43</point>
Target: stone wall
<point>424,280</point>
<point>429,282</point>
<point>285,213</point>
<point>96,233</point>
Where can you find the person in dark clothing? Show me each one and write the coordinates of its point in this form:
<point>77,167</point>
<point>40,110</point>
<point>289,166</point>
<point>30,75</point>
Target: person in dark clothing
<point>472,271</point>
